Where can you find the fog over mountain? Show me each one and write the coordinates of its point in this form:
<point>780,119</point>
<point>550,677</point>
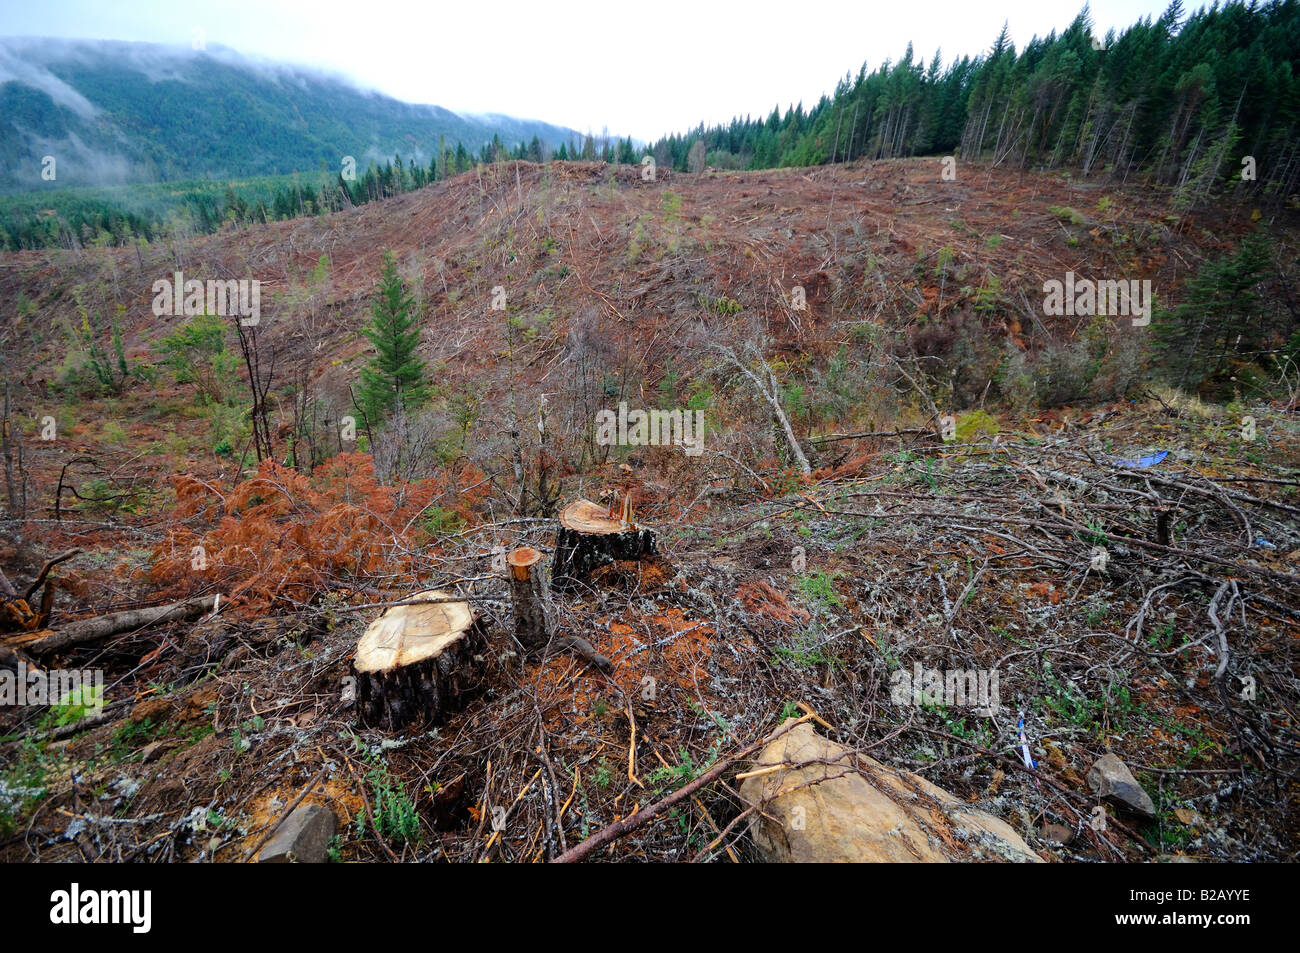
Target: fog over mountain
<point>112,112</point>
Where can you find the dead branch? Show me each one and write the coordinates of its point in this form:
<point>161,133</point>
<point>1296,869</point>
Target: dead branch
<point>614,831</point>
<point>40,577</point>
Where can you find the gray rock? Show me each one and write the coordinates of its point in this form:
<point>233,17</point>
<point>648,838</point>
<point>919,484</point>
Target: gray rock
<point>303,838</point>
<point>1111,778</point>
<point>825,803</point>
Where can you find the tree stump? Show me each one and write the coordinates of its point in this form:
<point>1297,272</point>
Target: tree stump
<point>415,662</point>
<point>589,538</point>
<point>534,626</point>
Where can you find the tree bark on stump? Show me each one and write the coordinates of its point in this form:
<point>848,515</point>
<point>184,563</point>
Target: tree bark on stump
<point>415,662</point>
<point>532,625</point>
<point>533,621</point>
<point>589,538</point>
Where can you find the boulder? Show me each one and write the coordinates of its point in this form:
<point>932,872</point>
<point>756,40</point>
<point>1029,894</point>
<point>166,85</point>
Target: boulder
<point>847,807</point>
<point>1111,778</point>
<point>303,838</point>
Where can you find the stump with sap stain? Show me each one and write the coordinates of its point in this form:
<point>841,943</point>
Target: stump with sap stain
<point>415,662</point>
<point>590,538</point>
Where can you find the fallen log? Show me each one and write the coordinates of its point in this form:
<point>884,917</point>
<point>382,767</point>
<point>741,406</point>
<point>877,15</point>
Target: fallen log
<point>415,662</point>
<point>590,538</point>
<point>84,631</point>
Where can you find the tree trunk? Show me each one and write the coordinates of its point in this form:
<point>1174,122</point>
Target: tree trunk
<point>6,445</point>
<point>589,539</point>
<point>415,662</point>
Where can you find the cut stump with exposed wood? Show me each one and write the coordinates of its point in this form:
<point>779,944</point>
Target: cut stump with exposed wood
<point>415,662</point>
<point>534,625</point>
<point>590,538</point>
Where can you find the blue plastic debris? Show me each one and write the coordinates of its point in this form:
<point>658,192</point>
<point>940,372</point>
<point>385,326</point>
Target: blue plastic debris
<point>1147,461</point>
<point>1024,744</point>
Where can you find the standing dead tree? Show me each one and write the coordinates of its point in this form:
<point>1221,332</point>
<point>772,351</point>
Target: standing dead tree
<point>259,385</point>
<point>749,360</point>
<point>15,498</point>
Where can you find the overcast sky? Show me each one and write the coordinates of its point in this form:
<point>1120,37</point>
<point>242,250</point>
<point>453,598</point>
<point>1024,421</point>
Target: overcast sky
<point>640,67</point>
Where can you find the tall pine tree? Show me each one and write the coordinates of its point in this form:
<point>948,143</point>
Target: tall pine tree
<point>396,374</point>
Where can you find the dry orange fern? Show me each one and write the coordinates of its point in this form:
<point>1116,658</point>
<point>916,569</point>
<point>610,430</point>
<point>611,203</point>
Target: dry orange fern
<point>283,538</point>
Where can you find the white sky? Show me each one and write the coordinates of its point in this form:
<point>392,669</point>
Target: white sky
<point>640,67</point>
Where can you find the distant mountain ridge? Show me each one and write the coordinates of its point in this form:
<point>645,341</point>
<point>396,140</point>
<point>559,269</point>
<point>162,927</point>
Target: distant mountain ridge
<point>112,112</point>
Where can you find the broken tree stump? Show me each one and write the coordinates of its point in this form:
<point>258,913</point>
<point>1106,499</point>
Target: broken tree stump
<point>415,662</point>
<point>533,619</point>
<point>1163,513</point>
<point>589,538</point>
<point>16,609</point>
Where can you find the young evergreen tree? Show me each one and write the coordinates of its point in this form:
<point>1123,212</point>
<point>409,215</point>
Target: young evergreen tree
<point>1221,325</point>
<point>396,374</point>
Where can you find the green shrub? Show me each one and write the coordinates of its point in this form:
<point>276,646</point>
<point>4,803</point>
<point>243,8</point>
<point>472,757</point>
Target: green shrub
<point>1064,373</point>
<point>395,814</point>
<point>90,369</point>
<point>1067,214</point>
<point>976,423</point>
<point>1224,324</point>
<point>196,353</point>
<point>230,427</point>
